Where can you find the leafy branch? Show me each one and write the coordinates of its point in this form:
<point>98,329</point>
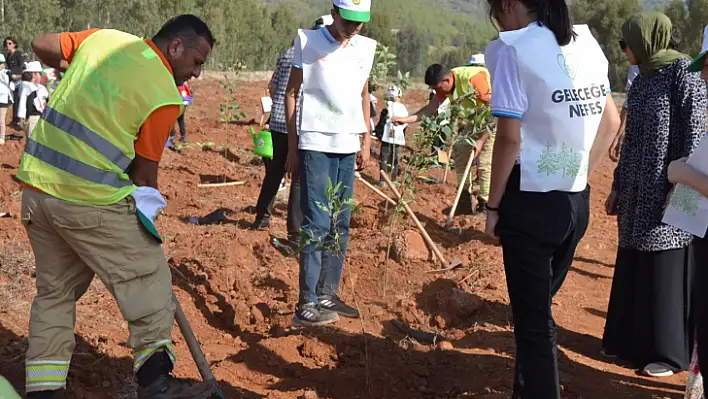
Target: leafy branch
<point>336,205</point>
<point>230,109</point>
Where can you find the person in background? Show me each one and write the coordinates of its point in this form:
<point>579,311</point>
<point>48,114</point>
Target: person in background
<point>51,78</point>
<point>372,106</point>
<point>393,136</point>
<point>7,88</point>
<point>616,146</point>
<point>332,66</point>
<point>275,173</point>
<point>455,84</point>
<point>538,207</point>
<point>186,92</point>
<point>648,317</point>
<point>15,63</point>
<point>33,97</point>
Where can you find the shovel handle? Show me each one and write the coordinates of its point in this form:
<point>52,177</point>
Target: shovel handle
<point>461,188</point>
<point>424,233</point>
<point>374,189</point>
<point>194,348</point>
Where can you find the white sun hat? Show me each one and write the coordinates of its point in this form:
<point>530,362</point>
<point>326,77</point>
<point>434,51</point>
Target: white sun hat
<point>33,66</point>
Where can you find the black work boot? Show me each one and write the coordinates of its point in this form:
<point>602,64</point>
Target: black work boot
<point>481,208</point>
<point>56,394</point>
<point>155,382</point>
<point>261,223</point>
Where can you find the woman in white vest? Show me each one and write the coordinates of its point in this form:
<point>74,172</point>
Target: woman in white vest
<point>556,121</point>
<point>648,321</point>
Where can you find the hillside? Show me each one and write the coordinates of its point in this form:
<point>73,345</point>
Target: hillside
<point>474,8</point>
<point>458,8</point>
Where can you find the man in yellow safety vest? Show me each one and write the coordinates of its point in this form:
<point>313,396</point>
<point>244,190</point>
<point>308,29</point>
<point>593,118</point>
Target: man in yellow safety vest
<point>455,84</point>
<point>90,199</point>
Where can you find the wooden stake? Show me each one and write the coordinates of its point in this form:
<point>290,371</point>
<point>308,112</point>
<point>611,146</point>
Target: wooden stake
<point>412,215</point>
<point>376,190</point>
<point>231,183</point>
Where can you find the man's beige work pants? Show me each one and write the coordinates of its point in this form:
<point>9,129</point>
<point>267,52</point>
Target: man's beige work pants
<point>71,244</point>
<point>461,153</point>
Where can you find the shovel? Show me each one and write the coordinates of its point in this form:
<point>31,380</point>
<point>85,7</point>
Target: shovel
<point>428,240</point>
<point>461,188</point>
<point>194,348</point>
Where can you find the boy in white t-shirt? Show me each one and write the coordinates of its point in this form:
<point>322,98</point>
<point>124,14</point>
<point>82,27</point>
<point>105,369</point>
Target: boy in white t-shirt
<point>332,65</point>
<point>393,136</point>
<point>33,97</point>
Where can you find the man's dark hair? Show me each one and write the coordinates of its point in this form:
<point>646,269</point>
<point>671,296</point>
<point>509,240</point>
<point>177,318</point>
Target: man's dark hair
<point>435,74</point>
<point>187,26</point>
<point>9,38</point>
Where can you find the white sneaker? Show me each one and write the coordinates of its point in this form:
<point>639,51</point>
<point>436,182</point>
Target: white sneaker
<point>2,141</point>
<point>657,370</point>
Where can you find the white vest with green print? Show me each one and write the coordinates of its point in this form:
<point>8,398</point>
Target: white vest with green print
<point>567,91</point>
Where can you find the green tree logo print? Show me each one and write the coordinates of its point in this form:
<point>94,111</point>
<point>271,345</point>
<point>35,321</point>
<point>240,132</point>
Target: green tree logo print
<point>566,161</point>
<point>685,199</point>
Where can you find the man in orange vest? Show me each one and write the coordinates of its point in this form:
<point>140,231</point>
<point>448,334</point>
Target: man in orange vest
<point>454,84</point>
<point>90,172</point>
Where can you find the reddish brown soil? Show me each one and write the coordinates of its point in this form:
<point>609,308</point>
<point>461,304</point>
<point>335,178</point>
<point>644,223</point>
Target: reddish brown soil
<point>239,292</point>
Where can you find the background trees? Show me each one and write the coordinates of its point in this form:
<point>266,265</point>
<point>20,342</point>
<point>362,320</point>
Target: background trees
<point>251,33</point>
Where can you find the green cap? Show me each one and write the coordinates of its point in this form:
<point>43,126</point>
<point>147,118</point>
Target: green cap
<point>354,10</point>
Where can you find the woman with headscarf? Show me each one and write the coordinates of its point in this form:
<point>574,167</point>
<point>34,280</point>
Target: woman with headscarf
<point>648,315</point>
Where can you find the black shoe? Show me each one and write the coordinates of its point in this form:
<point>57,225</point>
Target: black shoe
<point>464,206</point>
<point>481,208</point>
<point>57,394</point>
<point>334,304</point>
<point>261,223</point>
<point>311,315</point>
<point>168,387</point>
<point>286,247</point>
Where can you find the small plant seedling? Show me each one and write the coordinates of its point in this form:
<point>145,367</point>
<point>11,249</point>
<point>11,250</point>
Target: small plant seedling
<point>333,242</point>
<point>230,109</point>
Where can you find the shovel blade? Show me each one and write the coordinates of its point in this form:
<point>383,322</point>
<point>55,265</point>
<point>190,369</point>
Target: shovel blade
<point>450,266</point>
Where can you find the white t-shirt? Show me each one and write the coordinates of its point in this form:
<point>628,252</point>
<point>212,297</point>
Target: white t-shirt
<point>336,143</point>
<point>394,134</point>
<point>26,90</point>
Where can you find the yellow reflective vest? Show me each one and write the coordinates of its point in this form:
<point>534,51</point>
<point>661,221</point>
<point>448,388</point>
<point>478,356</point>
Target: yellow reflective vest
<point>82,146</point>
<point>463,75</point>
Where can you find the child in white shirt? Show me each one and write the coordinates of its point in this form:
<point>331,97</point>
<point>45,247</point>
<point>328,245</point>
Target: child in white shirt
<point>393,136</point>
<point>332,65</point>
<point>33,97</point>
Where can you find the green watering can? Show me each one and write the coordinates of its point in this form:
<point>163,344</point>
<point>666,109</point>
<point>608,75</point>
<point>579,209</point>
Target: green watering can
<point>262,143</point>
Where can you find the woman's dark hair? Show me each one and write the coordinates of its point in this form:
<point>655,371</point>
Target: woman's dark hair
<point>553,14</point>
<point>27,76</point>
<point>9,39</point>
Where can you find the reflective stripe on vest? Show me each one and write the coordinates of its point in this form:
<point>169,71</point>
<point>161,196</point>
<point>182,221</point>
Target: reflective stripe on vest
<point>76,168</point>
<point>87,136</point>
